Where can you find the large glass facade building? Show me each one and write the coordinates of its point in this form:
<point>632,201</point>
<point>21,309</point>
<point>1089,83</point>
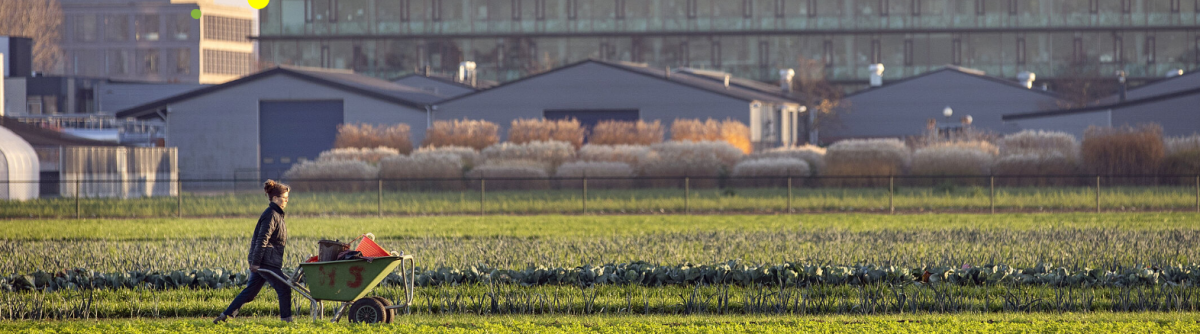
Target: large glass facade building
<point>509,39</point>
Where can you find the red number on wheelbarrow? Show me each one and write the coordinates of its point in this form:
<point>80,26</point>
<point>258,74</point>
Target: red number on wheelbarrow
<point>331,274</point>
<point>355,271</point>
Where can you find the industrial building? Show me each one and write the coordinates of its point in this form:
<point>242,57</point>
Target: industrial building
<point>596,90</point>
<point>510,39</point>
<point>1175,110</point>
<point>259,125</point>
<point>157,40</point>
<point>902,108</point>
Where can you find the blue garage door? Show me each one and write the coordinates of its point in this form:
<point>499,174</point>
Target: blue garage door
<point>293,131</point>
<point>588,118</point>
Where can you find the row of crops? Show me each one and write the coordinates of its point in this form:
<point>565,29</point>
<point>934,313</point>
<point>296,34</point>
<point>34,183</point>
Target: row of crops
<point>651,275</point>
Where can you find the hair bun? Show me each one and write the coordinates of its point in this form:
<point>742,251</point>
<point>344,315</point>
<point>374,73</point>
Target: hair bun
<point>274,188</point>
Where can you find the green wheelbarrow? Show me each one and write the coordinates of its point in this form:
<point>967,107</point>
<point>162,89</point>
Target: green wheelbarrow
<point>349,282</point>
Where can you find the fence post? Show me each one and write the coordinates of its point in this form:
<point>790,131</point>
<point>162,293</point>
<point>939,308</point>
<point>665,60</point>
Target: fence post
<point>482,188</point>
<point>687,194</point>
<point>585,193</point>
<point>993,194</point>
<point>179,197</point>
<point>380,197</point>
<point>1097,193</point>
<point>77,198</point>
<point>892,193</point>
<point>789,203</point>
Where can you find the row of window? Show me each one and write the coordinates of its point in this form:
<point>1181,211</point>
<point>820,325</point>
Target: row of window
<point>406,10</point>
<point>129,62</point>
<point>228,62</point>
<point>227,28</point>
<point>126,27</point>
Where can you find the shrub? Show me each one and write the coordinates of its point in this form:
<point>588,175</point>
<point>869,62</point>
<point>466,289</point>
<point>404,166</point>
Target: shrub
<point>368,155</point>
<point>469,156</point>
<point>548,153</point>
<point>1123,150</point>
<point>1027,169</point>
<point>626,133</point>
<point>628,154</point>
<point>1038,141</point>
<point>529,130</point>
<point>961,158</point>
<point>333,175</point>
<point>529,175</point>
<point>427,165</point>
<point>600,169</point>
<point>814,156</point>
<point>475,134</point>
<point>866,157</point>
<point>370,136</point>
<point>706,160</point>
<point>779,169</point>
<point>733,132</point>
<point>1182,157</point>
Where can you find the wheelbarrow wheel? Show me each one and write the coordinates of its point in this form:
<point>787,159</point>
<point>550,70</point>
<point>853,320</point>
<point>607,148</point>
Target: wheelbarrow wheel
<point>368,310</point>
<point>390,313</point>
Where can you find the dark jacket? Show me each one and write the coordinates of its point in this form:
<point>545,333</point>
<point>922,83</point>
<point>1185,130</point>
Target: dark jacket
<point>270,237</point>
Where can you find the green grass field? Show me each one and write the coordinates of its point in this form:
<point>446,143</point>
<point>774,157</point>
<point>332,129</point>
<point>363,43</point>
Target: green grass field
<point>641,201</point>
<point>960,323</point>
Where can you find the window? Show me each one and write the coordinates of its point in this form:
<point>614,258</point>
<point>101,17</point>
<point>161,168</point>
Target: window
<point>33,105</point>
<point>116,28</point>
<point>226,28</point>
<point>915,7</point>
<point>181,61</point>
<point>317,10</point>
<point>436,8</point>
<point>747,9</point>
<point>392,10</point>
<point>1077,53</point>
<point>956,51</point>
<point>147,61</point>
<point>716,53</point>
<point>691,9</point>
<point>1021,50</point>
<point>620,9</point>
<point>516,10</point>
<point>360,61</point>
<point>1093,6</point>
<point>606,49</point>
<point>827,52</point>
<point>685,56</point>
<point>86,26</point>
<point>118,62</point>
<point>876,51</point>
<point>812,8</point>
<point>779,8</point>
<point>980,9</point>
<point>1118,48</point>
<point>1174,6</point>
<point>540,9</point>
<point>147,28</point>
<point>1012,7</point>
<point>1198,48</point>
<point>180,26</point>
<point>908,52</point>
<point>227,62</point>
<point>883,7</point>
<point>1151,52</point>
<point>1126,6</point>
<point>764,53</point>
<point>573,9</point>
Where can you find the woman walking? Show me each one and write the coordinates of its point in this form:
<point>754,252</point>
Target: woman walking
<point>266,253</point>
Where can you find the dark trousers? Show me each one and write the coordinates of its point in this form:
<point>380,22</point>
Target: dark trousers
<point>255,284</point>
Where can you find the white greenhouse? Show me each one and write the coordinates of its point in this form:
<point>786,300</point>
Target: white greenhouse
<point>18,168</point>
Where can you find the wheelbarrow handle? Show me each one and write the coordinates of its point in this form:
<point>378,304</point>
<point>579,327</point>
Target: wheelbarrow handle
<point>296,286</point>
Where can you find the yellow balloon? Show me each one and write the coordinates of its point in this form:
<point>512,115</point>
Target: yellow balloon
<point>258,4</point>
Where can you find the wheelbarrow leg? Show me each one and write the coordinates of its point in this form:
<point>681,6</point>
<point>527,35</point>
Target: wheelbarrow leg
<point>338,315</point>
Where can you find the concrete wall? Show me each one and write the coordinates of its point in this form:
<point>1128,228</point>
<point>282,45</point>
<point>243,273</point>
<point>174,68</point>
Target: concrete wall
<point>902,109</point>
<point>217,133</point>
<point>594,86</point>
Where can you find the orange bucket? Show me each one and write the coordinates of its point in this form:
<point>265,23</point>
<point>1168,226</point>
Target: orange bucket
<point>369,248</point>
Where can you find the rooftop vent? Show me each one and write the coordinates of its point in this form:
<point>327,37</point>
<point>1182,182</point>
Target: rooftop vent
<point>1027,79</point>
<point>876,75</point>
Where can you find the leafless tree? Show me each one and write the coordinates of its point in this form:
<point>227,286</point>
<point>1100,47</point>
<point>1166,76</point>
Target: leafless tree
<point>818,94</point>
<point>41,20</point>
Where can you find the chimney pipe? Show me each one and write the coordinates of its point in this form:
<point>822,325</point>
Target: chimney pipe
<point>466,73</point>
<point>1174,73</point>
<point>1027,79</point>
<point>427,71</point>
<point>726,81</point>
<point>876,75</point>
<point>1121,81</point>
<point>667,72</point>
<point>785,80</point>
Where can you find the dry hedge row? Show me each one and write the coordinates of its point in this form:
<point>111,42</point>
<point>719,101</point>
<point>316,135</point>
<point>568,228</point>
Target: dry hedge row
<point>370,136</point>
<point>530,130</point>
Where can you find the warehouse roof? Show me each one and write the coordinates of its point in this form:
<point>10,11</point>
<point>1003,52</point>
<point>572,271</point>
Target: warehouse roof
<point>1128,103</point>
<point>339,79</point>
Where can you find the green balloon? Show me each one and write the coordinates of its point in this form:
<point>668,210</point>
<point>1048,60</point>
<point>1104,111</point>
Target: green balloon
<point>196,14</point>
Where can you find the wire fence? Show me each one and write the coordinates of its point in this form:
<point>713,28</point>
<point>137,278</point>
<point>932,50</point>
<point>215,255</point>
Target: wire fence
<point>626,195</point>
